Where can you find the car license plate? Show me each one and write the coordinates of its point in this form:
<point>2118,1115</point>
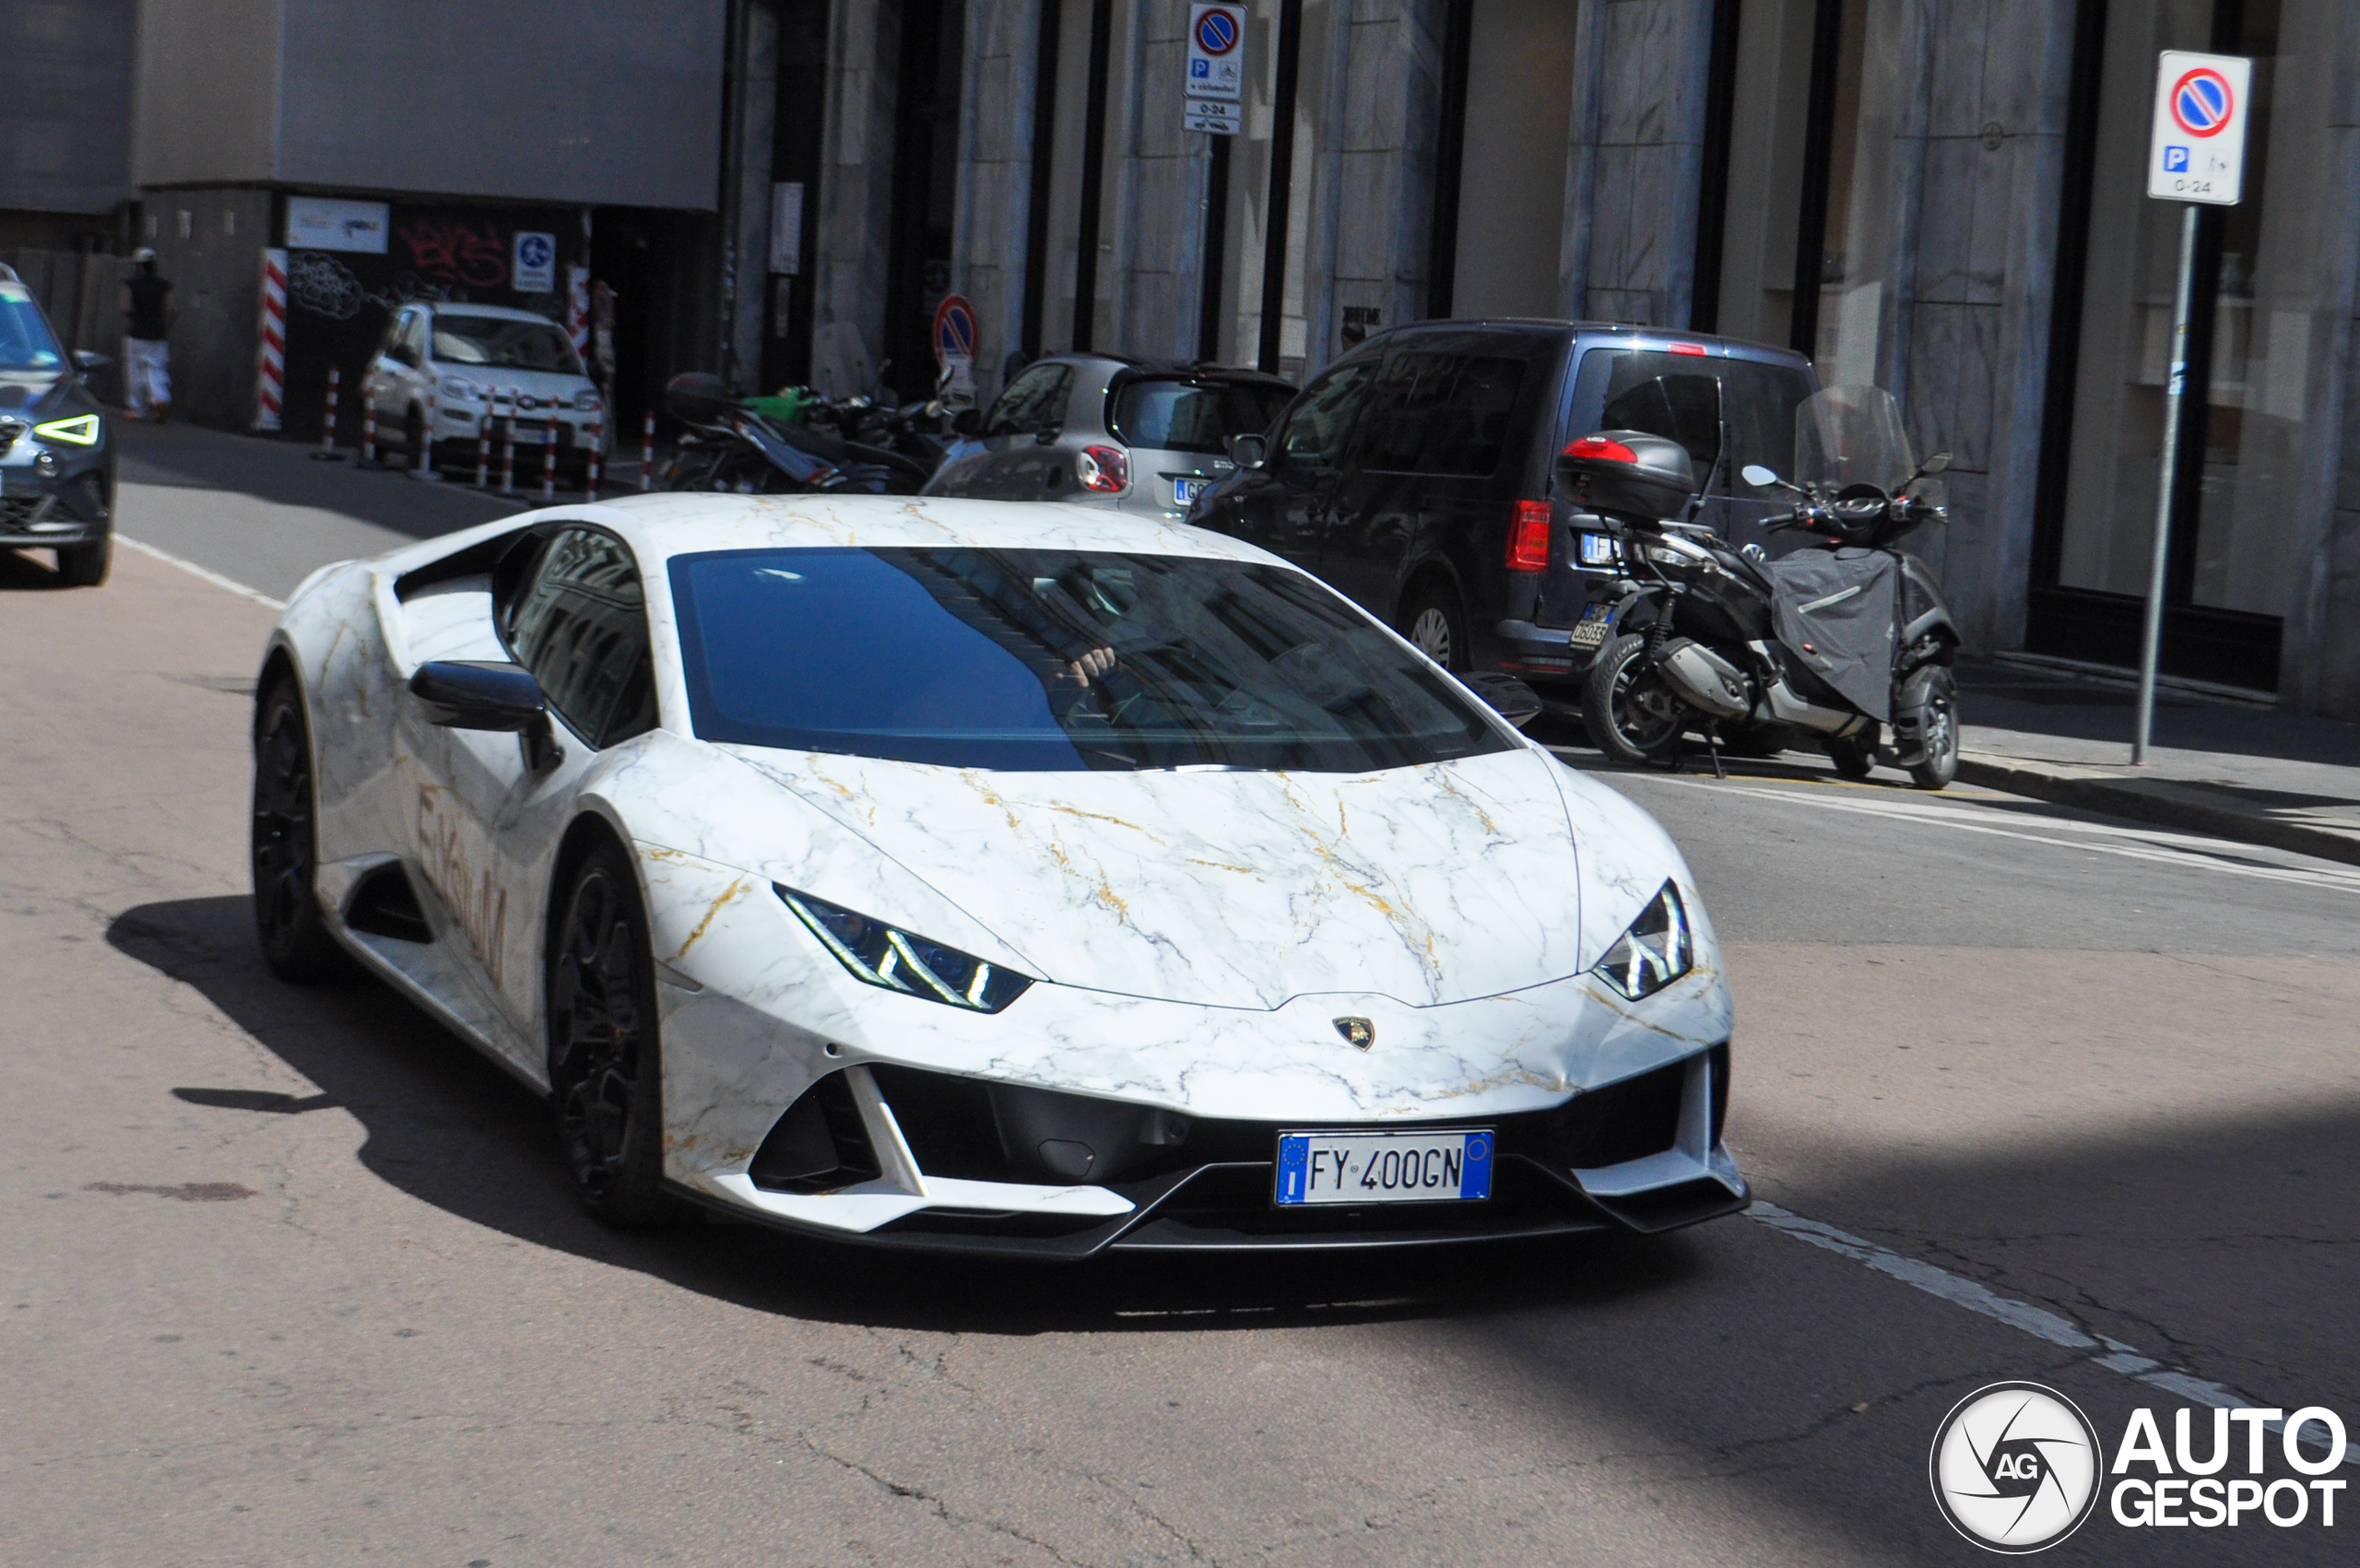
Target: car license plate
<point>1590,630</point>
<point>1186,491</point>
<point>1599,550</point>
<point>1403,1167</point>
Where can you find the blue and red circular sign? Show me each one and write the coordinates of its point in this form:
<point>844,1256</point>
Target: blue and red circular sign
<point>2201,102</point>
<point>1217,32</point>
<point>954,329</point>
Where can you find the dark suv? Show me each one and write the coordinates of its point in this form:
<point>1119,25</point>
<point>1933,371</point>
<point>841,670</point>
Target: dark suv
<point>1415,474</point>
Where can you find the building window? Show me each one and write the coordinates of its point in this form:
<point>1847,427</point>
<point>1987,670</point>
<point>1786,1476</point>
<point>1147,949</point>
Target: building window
<point>2259,334</point>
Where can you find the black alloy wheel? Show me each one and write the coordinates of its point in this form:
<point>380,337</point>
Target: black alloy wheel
<point>1630,715</point>
<point>1432,619</point>
<point>605,1075</point>
<point>294,933</point>
<point>1930,709</point>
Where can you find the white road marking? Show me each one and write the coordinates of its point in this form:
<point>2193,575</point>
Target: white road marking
<point>2039,1322</point>
<point>2159,845</point>
<point>169,559</point>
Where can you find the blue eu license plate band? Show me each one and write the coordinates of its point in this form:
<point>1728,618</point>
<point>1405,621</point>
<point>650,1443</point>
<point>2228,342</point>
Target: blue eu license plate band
<point>1454,1166</point>
<point>1185,491</point>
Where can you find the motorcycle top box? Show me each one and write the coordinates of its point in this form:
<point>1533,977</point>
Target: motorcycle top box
<point>1628,476</point>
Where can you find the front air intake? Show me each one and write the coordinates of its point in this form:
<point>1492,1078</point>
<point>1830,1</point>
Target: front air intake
<point>819,1146</point>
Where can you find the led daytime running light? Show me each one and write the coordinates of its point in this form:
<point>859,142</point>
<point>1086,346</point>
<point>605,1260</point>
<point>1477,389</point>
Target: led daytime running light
<point>82,430</point>
<point>1658,949</point>
<point>878,954</point>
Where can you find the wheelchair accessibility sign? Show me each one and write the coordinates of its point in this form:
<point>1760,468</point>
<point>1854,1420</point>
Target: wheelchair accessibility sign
<point>2197,150</point>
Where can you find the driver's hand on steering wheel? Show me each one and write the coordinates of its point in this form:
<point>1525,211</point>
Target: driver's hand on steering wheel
<point>1096,662</point>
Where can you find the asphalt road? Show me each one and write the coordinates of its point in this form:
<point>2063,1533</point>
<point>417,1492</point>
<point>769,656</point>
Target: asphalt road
<point>291,1277</point>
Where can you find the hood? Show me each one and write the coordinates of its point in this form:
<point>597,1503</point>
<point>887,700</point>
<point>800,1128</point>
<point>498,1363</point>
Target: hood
<point>1243,890</point>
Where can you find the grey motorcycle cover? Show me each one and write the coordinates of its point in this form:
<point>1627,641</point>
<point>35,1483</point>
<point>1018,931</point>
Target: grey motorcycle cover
<point>1834,611</point>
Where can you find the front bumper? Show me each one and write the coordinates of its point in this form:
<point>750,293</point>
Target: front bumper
<point>37,511</point>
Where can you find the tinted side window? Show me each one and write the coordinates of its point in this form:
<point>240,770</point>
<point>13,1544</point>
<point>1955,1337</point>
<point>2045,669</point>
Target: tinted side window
<point>1034,401</point>
<point>1441,413</point>
<point>1321,421</point>
<point>582,630</point>
<point>1758,400</point>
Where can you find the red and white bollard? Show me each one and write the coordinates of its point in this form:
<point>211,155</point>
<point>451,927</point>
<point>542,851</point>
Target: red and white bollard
<point>647,454</point>
<point>590,471</point>
<point>270,358</point>
<point>327,431</point>
<point>508,449</point>
<point>483,448</point>
<point>369,420</point>
<point>549,459</point>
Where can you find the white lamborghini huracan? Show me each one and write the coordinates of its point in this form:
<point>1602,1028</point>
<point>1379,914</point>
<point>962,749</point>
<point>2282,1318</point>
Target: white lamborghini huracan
<point>997,876</point>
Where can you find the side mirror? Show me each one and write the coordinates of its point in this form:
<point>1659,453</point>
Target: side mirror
<point>968,422</point>
<point>1510,698</point>
<point>91,360</point>
<point>1048,435</point>
<point>1249,451</point>
<point>1761,478</point>
<point>1937,463</point>
<point>486,695</point>
<point>696,398</point>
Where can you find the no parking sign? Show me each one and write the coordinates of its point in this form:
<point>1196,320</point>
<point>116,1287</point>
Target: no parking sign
<point>954,347</point>
<point>2197,151</point>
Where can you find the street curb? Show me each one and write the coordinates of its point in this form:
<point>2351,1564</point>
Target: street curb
<point>2159,801</point>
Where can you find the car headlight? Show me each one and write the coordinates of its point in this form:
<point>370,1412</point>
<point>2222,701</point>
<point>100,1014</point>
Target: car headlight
<point>878,954</point>
<point>1658,949</point>
<point>459,389</point>
<point>81,430</point>
<point>587,402</point>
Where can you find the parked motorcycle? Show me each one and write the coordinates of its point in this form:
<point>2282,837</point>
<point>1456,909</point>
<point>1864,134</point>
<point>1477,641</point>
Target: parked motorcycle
<point>1841,641</point>
<point>726,445</point>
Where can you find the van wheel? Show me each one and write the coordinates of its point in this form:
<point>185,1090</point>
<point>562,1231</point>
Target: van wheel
<point>1431,618</point>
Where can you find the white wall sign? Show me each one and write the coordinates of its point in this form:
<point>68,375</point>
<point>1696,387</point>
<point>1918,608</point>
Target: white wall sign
<point>2197,151</point>
<point>787,228</point>
<point>1215,64</point>
<point>319,223</point>
<point>535,271</point>
<point>1211,115</point>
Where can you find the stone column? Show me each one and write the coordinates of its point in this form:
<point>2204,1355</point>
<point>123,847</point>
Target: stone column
<point>1375,181</point>
<point>996,118</point>
<point>856,205</point>
<point>1636,160</point>
<point>746,274</point>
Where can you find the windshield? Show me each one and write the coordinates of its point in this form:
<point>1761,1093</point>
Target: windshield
<point>25,342</point>
<point>498,343</point>
<point>1186,416</point>
<point>1852,435</point>
<point>1054,661</point>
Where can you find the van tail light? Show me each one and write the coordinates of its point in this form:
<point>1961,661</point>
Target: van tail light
<point>1529,537</point>
<point>1102,468</point>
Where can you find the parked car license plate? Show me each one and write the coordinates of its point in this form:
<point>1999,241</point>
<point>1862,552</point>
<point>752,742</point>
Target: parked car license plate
<point>1385,1167</point>
<point>1599,550</point>
<point>1590,630</point>
<point>1186,491</point>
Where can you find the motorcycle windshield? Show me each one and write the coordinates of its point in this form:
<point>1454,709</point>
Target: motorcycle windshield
<point>1852,435</point>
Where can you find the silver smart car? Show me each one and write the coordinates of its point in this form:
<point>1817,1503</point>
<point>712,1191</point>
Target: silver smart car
<point>1143,437</point>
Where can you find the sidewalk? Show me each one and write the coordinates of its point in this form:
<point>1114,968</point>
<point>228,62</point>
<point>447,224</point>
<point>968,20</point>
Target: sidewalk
<point>2215,766</point>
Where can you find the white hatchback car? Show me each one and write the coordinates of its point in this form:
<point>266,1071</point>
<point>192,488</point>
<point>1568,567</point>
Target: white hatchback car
<point>443,369</point>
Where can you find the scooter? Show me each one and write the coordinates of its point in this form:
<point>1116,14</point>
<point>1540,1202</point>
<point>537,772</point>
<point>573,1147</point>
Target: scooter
<point>1841,641</point>
<point>728,447</point>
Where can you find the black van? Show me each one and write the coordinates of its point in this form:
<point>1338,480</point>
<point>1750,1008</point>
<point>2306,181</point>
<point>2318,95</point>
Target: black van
<point>1415,474</point>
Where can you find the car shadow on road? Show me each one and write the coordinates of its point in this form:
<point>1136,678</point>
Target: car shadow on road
<point>448,1127</point>
<point>19,572</point>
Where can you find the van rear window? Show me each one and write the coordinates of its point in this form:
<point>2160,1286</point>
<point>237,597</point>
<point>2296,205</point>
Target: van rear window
<point>1175,415</point>
<point>1671,394</point>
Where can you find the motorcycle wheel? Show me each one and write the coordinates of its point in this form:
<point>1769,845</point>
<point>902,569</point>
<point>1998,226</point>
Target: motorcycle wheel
<point>1929,711</point>
<point>1630,715</point>
<point>1853,758</point>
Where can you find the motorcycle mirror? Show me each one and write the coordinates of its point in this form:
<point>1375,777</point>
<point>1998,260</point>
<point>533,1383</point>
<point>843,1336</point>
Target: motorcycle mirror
<point>1761,478</point>
<point>1937,463</point>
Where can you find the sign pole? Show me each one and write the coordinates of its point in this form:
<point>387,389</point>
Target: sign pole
<point>2196,155</point>
<point>2151,638</point>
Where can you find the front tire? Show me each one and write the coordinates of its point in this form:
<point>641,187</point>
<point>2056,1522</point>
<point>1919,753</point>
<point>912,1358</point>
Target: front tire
<point>284,845</point>
<point>86,566</point>
<point>1928,716</point>
<point>606,1063</point>
<point>1630,715</point>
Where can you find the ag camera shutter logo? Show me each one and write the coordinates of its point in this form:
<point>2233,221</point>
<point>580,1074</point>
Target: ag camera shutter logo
<point>2015,1467</point>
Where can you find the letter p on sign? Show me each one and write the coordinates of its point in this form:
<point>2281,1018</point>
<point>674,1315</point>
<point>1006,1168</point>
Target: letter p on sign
<point>2197,150</point>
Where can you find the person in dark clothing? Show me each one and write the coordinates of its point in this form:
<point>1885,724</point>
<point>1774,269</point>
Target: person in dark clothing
<point>147,319</point>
